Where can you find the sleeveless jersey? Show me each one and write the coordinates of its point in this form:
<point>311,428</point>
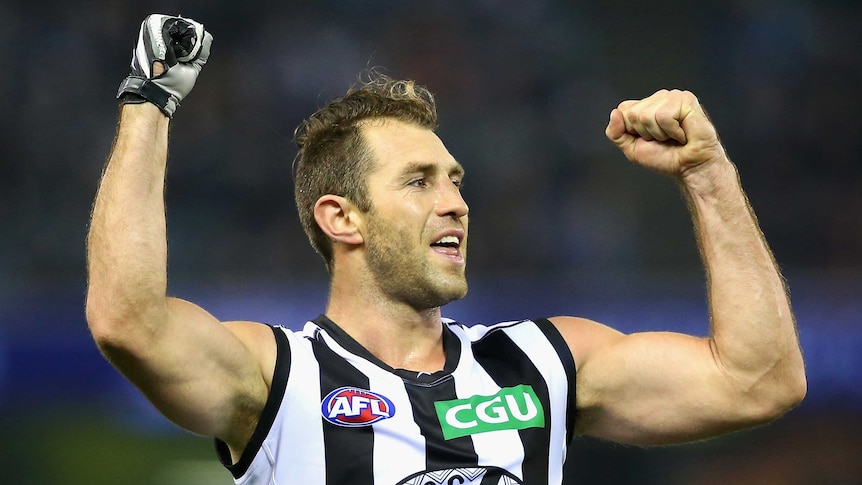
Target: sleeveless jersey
<point>500,412</point>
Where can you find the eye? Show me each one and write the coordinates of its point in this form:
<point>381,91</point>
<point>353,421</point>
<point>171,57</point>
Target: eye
<point>457,182</point>
<point>418,182</point>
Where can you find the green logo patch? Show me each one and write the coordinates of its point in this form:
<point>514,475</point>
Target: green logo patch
<point>512,408</point>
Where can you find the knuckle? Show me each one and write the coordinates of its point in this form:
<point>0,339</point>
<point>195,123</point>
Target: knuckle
<point>625,105</point>
<point>689,96</point>
<point>664,115</point>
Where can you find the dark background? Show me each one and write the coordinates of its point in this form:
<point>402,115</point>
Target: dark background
<point>560,222</point>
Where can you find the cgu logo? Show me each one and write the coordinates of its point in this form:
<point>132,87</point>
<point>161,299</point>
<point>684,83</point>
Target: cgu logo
<point>512,408</point>
<point>352,407</point>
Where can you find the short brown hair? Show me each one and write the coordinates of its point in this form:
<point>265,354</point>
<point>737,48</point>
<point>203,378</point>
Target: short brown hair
<point>333,157</point>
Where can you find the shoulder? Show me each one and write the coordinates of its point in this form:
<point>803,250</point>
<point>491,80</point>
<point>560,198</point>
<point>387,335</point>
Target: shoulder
<point>259,339</point>
<point>584,337</point>
<point>255,335</point>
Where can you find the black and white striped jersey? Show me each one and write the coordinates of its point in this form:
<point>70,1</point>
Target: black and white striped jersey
<point>500,412</point>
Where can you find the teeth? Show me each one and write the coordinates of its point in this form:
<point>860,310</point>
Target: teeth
<point>448,240</point>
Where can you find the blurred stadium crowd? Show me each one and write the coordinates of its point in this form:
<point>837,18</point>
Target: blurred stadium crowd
<point>524,90</point>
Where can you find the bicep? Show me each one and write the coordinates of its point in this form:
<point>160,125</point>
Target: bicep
<point>204,375</point>
<point>649,388</point>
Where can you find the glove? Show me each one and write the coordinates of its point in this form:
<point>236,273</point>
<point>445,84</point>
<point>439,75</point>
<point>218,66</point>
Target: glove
<point>182,46</point>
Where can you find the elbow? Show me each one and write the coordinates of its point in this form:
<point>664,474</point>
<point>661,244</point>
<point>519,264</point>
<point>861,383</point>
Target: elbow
<point>780,395</point>
<point>99,322</point>
<point>105,328</point>
<point>117,338</point>
<point>116,328</point>
<point>795,389</point>
<point>792,384</point>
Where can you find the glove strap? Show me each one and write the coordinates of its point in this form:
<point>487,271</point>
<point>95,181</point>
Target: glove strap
<point>143,89</point>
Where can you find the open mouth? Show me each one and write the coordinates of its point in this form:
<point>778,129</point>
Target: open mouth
<point>448,245</point>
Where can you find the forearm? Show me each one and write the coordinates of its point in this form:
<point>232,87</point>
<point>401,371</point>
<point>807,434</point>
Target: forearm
<point>127,247</point>
<point>753,329</point>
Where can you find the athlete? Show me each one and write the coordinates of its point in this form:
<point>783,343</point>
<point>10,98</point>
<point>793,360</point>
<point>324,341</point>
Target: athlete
<point>381,388</point>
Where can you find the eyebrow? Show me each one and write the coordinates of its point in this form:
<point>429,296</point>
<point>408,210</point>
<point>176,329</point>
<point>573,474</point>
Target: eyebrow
<point>427,167</point>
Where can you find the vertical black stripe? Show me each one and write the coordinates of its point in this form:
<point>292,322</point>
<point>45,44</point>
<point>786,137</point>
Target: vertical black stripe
<point>553,335</point>
<point>509,366</point>
<point>349,451</point>
<point>439,453</point>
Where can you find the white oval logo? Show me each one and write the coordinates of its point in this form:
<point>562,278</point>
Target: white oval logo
<point>351,407</point>
<point>463,476</point>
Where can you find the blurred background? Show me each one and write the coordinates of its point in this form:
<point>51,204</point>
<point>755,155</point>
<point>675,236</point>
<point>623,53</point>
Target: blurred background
<point>560,222</point>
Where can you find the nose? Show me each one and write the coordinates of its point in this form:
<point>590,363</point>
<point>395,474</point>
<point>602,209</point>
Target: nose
<point>450,201</point>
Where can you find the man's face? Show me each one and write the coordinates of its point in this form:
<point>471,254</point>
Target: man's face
<point>416,230</point>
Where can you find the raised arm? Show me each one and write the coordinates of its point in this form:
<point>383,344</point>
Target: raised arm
<point>655,388</point>
<point>208,377</point>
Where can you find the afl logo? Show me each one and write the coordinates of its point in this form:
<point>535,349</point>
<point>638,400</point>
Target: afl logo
<point>352,407</point>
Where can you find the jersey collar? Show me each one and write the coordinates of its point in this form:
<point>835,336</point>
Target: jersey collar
<point>451,347</point>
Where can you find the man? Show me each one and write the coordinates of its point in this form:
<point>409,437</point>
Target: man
<point>381,388</point>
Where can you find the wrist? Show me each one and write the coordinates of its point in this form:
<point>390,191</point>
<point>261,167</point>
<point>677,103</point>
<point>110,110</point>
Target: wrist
<point>711,178</point>
<point>136,90</point>
<point>143,118</point>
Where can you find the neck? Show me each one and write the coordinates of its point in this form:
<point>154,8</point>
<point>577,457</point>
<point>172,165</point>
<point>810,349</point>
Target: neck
<point>396,333</point>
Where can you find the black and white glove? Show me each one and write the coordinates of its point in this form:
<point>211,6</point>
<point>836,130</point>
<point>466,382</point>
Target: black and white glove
<point>182,46</point>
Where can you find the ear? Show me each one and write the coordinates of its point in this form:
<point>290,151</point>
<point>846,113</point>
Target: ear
<point>339,219</point>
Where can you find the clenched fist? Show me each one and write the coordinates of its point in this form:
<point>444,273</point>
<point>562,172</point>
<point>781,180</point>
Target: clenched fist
<point>668,132</point>
<point>166,61</point>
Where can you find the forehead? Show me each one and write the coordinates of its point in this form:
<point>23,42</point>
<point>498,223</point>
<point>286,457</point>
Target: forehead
<point>397,145</point>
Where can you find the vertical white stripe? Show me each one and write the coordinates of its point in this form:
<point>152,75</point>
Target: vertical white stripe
<point>502,449</point>
<point>399,447</point>
<point>534,343</point>
<point>297,433</point>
